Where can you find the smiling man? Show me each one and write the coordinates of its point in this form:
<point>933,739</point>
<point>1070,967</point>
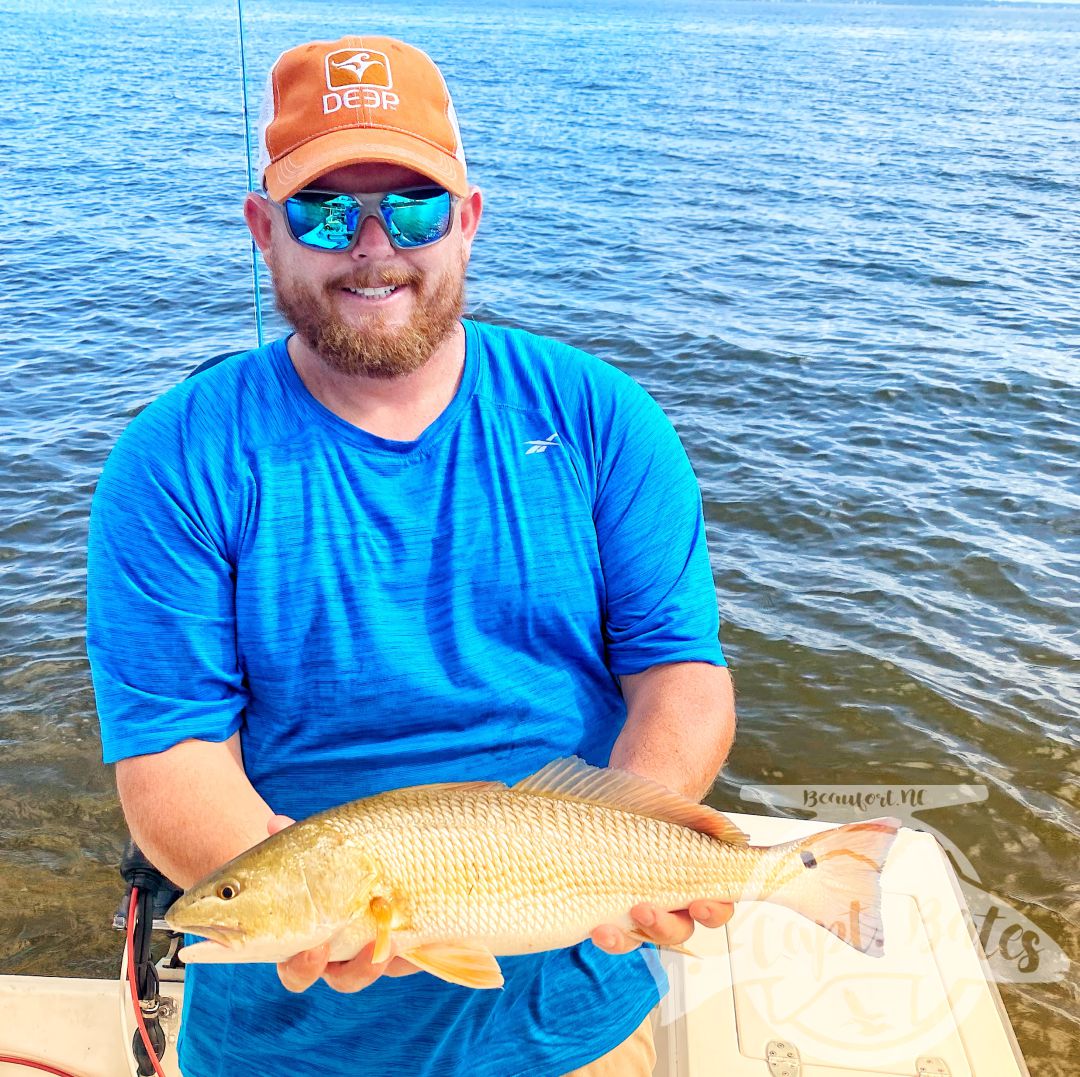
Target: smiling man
<point>396,547</point>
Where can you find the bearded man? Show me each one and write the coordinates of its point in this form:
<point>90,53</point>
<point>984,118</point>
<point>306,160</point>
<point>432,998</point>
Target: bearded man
<point>396,547</point>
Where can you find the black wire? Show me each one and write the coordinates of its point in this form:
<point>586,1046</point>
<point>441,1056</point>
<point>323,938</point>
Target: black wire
<point>146,977</point>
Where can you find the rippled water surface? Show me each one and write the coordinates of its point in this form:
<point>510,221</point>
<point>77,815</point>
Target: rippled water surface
<point>838,243</point>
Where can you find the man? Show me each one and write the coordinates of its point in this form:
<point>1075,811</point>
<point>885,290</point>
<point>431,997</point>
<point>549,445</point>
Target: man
<point>396,548</point>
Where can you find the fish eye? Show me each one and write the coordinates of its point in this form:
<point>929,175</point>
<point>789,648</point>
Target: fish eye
<point>227,891</point>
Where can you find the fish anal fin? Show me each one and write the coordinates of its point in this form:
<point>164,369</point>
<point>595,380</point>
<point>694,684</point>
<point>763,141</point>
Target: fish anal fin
<point>574,779</point>
<point>458,963</point>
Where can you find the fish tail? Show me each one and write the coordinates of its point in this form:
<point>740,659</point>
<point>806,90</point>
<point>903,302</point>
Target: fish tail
<point>834,879</point>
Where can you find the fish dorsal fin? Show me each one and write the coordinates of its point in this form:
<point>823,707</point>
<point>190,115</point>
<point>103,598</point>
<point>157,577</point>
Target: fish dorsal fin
<point>574,779</point>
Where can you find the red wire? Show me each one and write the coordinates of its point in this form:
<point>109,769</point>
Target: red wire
<point>36,1065</point>
<point>134,988</point>
<point>130,946</point>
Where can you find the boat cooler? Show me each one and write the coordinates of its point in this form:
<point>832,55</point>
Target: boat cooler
<point>773,995</point>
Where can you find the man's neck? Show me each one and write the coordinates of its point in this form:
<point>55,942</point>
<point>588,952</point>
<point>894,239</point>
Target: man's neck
<point>399,409</point>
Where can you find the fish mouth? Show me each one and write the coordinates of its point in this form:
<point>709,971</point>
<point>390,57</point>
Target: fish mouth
<point>224,936</point>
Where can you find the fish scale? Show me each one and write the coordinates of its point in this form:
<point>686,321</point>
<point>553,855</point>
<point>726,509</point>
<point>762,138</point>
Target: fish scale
<point>524,873</point>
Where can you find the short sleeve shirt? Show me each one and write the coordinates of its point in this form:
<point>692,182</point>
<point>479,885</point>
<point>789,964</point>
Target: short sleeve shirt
<point>371,614</point>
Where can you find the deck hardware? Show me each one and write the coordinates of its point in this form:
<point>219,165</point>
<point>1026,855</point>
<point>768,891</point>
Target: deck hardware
<point>783,1059</point>
<point>928,1066</point>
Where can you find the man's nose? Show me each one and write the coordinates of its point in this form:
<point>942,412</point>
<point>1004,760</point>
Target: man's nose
<point>372,241</point>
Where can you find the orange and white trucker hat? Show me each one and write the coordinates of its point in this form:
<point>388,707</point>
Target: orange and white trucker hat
<point>334,103</point>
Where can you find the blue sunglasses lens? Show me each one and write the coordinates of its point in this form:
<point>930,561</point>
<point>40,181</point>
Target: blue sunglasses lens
<point>416,218</point>
<point>329,222</point>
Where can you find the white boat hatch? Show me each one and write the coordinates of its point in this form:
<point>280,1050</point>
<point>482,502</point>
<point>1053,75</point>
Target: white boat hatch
<point>772,978</point>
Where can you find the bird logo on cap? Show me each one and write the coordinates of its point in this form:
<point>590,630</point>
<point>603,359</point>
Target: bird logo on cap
<point>353,67</point>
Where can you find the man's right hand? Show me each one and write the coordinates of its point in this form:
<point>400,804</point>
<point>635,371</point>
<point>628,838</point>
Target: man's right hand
<point>302,970</point>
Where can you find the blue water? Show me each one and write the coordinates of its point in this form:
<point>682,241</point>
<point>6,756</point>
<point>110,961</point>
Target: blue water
<point>839,243</point>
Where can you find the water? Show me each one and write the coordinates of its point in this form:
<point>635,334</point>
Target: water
<point>837,242</point>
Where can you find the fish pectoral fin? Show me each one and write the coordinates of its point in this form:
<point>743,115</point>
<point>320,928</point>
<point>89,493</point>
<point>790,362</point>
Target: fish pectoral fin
<point>383,912</point>
<point>458,963</point>
<point>640,936</point>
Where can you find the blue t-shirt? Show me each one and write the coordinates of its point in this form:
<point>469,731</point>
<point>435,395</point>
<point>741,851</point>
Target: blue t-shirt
<point>373,614</point>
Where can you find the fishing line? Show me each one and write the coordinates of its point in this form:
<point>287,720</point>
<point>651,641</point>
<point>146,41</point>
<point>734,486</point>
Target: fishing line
<point>250,175</point>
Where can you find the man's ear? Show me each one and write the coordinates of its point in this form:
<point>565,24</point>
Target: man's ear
<point>257,213</point>
<point>472,207</point>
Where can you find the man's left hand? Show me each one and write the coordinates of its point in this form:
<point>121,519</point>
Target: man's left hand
<point>662,928</point>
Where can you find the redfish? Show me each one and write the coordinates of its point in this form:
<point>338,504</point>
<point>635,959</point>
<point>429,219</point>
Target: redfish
<point>454,875</point>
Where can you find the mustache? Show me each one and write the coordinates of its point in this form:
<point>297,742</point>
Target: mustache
<point>380,278</point>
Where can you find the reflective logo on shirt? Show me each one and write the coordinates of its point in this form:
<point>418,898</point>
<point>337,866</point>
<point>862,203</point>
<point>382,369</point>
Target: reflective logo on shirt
<point>541,446</point>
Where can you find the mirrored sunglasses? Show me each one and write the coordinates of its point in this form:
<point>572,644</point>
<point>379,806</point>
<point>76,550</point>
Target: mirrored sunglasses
<point>331,221</point>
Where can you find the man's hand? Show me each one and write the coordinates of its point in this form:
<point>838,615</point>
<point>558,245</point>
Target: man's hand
<point>662,928</point>
<point>303,969</point>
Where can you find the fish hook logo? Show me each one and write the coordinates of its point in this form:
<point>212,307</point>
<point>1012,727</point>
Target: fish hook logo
<point>358,67</point>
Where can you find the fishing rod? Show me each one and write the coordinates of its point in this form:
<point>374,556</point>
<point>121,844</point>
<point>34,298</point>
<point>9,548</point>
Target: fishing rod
<point>250,175</point>
<point>149,1042</point>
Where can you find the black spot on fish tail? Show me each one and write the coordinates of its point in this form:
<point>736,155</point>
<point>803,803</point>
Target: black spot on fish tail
<point>808,858</point>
